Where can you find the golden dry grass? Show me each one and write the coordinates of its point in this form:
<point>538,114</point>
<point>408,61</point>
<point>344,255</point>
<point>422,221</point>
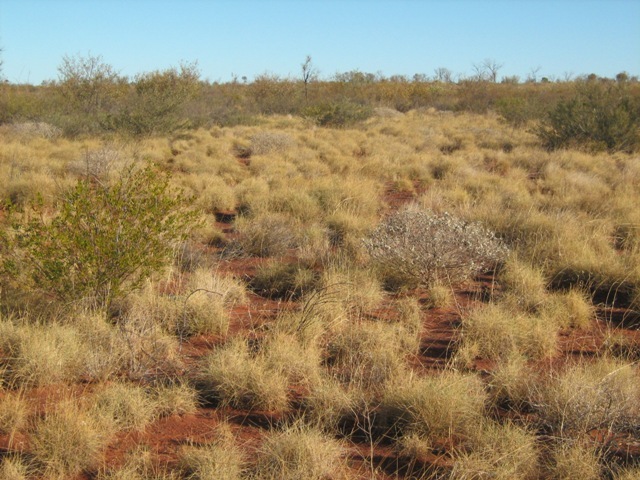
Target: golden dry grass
<point>435,407</point>
<point>498,451</point>
<point>300,452</point>
<point>69,440</point>
<point>311,195</point>
<point>496,331</point>
<point>234,376</point>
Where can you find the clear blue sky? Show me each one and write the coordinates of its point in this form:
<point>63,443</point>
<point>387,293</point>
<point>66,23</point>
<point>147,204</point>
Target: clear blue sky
<point>248,38</point>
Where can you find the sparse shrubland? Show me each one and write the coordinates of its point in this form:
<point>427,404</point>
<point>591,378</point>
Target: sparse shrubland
<point>357,279</point>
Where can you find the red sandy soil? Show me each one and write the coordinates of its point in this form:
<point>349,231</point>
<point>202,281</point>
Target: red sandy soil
<point>166,436</point>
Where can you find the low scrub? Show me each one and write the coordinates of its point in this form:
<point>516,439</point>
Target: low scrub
<point>600,116</point>
<point>338,114</point>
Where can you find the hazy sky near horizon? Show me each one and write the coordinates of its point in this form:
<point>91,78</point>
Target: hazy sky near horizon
<point>248,38</point>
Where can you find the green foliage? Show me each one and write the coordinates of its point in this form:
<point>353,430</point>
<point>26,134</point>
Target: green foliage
<point>156,102</point>
<point>105,239</point>
<point>600,116</point>
<point>518,111</point>
<point>338,114</point>
<point>89,89</point>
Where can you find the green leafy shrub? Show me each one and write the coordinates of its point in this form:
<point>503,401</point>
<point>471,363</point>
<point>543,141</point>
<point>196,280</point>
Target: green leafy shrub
<point>156,103</point>
<point>105,239</point>
<point>90,90</point>
<point>518,111</point>
<point>600,116</point>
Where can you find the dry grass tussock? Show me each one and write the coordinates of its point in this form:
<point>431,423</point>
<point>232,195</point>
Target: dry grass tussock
<point>599,395</point>
<point>235,376</point>
<point>300,452</point>
<point>369,354</point>
<point>15,468</point>
<point>219,459</point>
<point>69,440</point>
<point>139,464</point>
<point>575,461</point>
<point>37,354</point>
<point>497,451</point>
<point>201,306</point>
<point>494,331</point>
<point>434,407</point>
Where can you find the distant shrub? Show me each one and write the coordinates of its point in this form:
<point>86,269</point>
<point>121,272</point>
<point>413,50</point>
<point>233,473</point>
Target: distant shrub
<point>518,111</point>
<point>89,89</point>
<point>155,105</point>
<point>423,247</point>
<point>105,240</point>
<point>600,116</point>
<point>338,114</point>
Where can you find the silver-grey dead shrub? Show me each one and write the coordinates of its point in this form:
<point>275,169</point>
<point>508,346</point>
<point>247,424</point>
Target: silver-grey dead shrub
<point>37,129</point>
<point>424,247</point>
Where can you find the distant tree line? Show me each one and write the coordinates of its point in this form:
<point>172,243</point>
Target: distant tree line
<point>90,97</point>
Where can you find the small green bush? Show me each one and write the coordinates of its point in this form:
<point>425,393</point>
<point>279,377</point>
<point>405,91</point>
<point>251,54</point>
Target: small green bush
<point>600,116</point>
<point>105,239</point>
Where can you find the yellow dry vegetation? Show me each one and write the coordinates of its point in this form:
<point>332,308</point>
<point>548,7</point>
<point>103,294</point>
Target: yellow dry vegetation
<point>291,203</point>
